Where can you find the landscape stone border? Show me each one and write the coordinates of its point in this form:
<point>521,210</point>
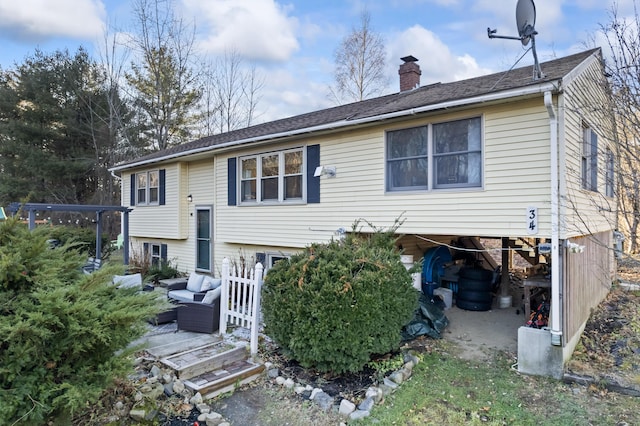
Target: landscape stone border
<point>345,408</point>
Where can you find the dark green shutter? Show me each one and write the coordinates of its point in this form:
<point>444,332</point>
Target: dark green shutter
<point>313,183</point>
<point>232,176</point>
<point>162,177</point>
<point>132,201</point>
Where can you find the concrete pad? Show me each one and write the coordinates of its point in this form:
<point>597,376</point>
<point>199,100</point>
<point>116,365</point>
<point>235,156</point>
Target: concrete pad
<point>475,331</point>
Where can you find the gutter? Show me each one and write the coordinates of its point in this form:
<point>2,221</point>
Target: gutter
<point>556,323</point>
<point>530,90</point>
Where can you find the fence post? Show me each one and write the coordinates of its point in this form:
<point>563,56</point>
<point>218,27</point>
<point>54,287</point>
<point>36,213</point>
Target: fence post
<point>224,297</point>
<point>255,312</point>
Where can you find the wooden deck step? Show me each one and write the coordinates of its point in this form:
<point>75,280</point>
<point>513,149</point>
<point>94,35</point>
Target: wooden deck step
<point>207,358</point>
<point>224,380</point>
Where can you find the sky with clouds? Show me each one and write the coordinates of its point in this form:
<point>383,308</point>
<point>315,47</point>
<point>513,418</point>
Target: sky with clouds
<point>292,42</point>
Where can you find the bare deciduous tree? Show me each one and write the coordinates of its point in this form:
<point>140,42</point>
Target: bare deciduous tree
<point>231,93</point>
<point>359,64</point>
<point>623,69</point>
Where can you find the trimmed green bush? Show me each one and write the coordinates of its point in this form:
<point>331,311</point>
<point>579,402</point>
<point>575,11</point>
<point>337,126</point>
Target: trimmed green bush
<point>335,305</point>
<point>60,329</point>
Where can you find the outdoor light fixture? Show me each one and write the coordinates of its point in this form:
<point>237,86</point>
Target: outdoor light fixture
<point>329,171</point>
<point>189,198</point>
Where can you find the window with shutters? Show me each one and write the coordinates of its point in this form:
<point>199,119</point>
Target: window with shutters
<point>274,177</point>
<point>147,188</point>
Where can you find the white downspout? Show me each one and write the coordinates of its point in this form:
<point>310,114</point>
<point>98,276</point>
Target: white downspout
<point>556,323</point>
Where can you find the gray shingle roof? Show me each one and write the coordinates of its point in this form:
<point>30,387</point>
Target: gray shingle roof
<point>423,96</point>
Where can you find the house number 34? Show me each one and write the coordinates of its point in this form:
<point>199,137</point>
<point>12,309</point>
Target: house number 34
<point>532,220</point>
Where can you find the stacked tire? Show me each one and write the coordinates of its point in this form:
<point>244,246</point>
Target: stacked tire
<point>474,289</point>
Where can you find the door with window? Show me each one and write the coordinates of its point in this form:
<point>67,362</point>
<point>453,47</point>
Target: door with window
<point>204,237</point>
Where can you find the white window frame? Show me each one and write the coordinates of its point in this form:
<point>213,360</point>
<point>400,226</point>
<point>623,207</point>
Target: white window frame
<point>589,159</point>
<point>155,259</point>
<point>258,178</point>
<point>432,157</point>
<point>273,257</point>
<point>148,189</point>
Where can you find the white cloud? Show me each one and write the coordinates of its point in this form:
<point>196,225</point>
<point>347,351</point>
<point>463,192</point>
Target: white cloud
<point>28,20</point>
<point>255,29</point>
<point>437,62</point>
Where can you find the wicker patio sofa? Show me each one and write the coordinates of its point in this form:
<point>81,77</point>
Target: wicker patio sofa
<point>202,315</point>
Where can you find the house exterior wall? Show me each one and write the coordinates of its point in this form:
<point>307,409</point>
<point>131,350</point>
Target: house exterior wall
<point>159,221</point>
<point>584,102</point>
<point>515,176</point>
<point>589,276</point>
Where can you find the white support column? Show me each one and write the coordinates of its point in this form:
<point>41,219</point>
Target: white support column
<point>224,297</point>
<point>255,312</point>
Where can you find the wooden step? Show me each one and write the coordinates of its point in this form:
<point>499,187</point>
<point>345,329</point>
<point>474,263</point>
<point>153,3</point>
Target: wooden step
<point>225,380</point>
<point>198,361</point>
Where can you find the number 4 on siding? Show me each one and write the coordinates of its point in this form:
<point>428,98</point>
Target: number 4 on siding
<point>532,220</point>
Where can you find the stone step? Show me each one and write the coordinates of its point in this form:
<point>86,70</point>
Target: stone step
<point>225,380</point>
<point>205,359</point>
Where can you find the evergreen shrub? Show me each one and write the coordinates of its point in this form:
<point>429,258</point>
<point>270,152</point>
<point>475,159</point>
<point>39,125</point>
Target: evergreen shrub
<point>334,305</point>
<point>80,238</point>
<point>62,333</point>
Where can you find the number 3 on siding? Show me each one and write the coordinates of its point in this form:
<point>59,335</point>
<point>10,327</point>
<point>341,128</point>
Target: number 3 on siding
<point>532,220</point>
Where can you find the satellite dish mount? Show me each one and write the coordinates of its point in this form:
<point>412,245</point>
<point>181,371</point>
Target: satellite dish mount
<point>526,22</point>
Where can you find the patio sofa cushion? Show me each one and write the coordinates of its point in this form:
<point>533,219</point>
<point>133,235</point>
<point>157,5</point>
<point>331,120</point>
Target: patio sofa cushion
<point>127,281</point>
<point>212,295</point>
<point>194,283</point>
<point>210,283</point>
<point>181,296</point>
<point>193,289</point>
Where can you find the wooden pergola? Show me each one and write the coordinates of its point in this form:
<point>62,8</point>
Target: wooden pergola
<point>32,208</point>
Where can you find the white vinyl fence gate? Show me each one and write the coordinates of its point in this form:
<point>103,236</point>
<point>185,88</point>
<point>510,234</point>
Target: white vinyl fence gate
<point>240,300</point>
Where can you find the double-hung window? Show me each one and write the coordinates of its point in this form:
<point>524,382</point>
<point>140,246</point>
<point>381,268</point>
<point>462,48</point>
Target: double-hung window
<point>610,178</point>
<point>589,159</point>
<point>436,156</point>
<point>156,253</point>
<point>273,177</point>
<point>457,154</point>
<point>147,187</point>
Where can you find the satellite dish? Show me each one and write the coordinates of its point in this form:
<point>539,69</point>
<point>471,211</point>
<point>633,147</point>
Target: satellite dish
<point>526,20</point>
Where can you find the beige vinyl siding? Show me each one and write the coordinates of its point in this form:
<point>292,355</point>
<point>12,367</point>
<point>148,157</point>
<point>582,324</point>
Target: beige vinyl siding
<point>516,175</point>
<point>155,221</point>
<point>585,212</point>
<point>197,180</point>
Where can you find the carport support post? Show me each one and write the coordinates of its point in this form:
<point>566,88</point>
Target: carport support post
<point>125,236</point>
<point>506,265</point>
<point>99,235</point>
<point>32,220</point>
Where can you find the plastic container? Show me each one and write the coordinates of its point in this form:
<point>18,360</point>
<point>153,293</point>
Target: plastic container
<point>505,301</point>
<point>416,277</point>
<point>446,294</point>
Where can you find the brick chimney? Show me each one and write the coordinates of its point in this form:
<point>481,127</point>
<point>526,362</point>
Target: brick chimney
<point>409,73</point>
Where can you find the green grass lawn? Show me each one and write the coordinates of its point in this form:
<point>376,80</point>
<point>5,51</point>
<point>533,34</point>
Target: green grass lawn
<point>446,390</point>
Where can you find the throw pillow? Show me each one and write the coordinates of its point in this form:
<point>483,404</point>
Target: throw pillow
<point>194,283</point>
<point>210,283</point>
<point>212,295</point>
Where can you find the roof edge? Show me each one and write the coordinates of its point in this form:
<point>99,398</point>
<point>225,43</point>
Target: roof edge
<point>508,94</point>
